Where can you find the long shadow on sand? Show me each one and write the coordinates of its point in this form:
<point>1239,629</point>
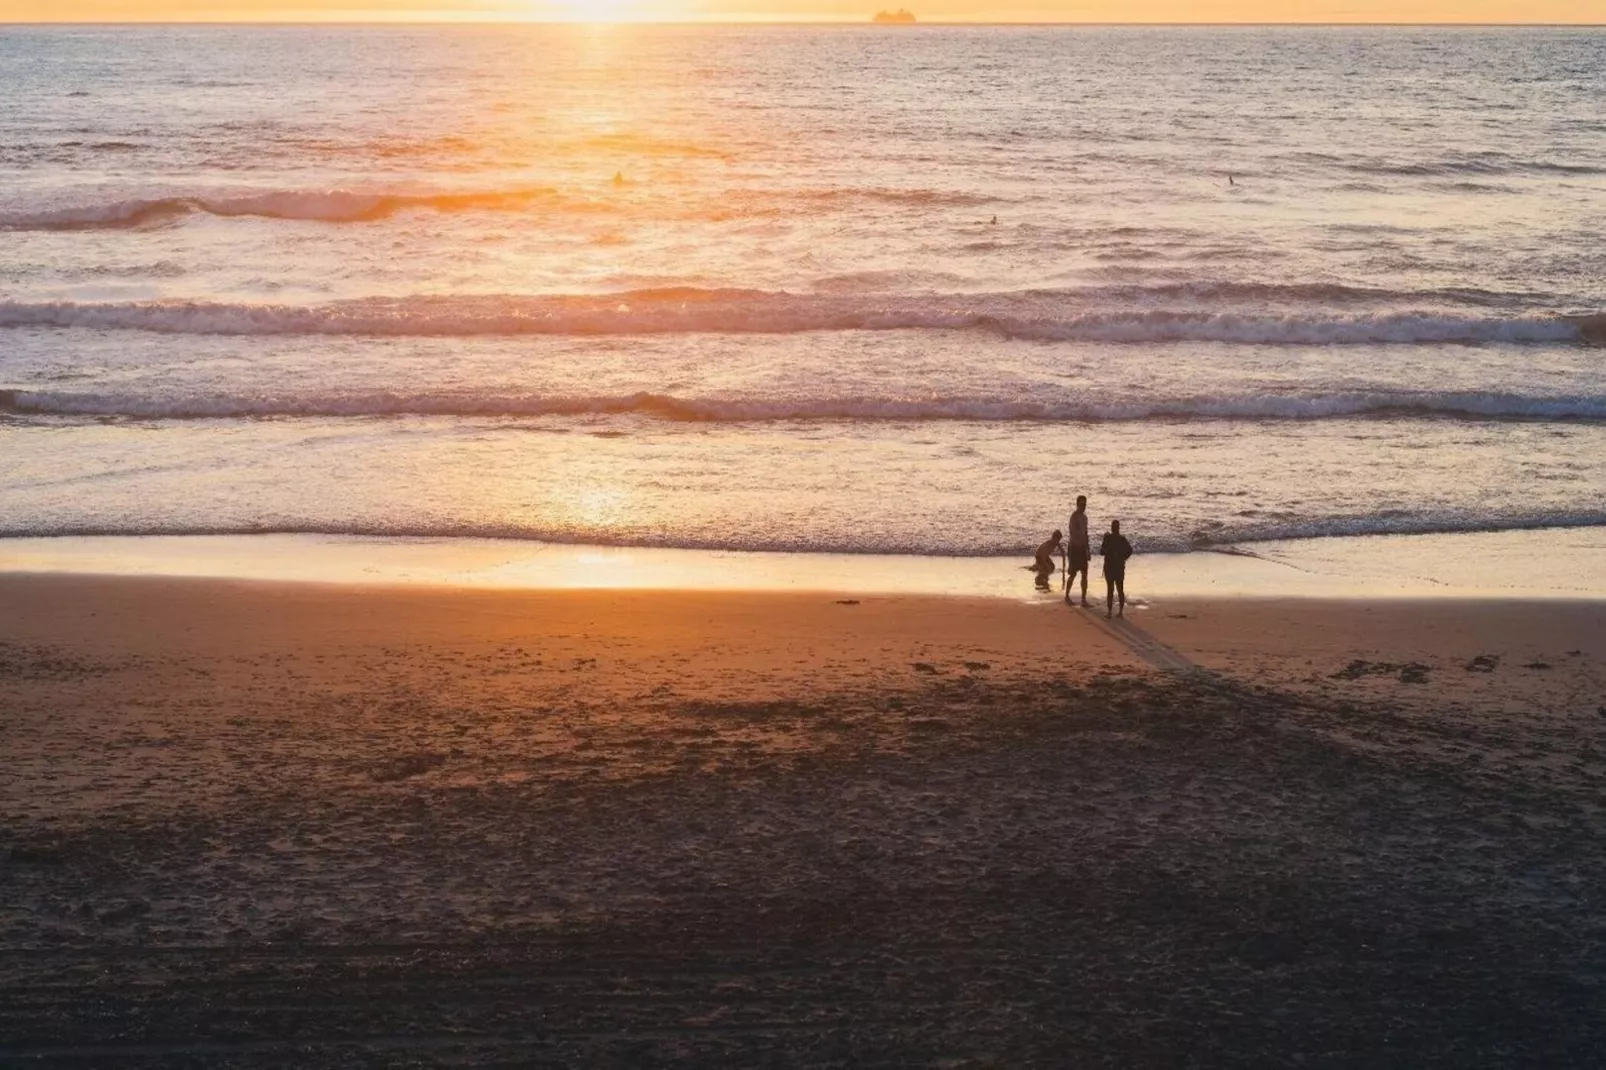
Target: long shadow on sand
<point>1113,870</point>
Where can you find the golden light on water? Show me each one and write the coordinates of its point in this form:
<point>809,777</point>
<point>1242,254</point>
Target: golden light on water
<point>1585,12</point>
<point>596,506</point>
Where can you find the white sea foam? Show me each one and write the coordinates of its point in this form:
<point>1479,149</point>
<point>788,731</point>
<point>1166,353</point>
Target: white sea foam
<point>1449,404</point>
<point>1029,316</point>
<point>825,541</point>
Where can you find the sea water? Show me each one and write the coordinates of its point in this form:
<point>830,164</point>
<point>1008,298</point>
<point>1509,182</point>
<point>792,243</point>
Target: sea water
<point>801,288</point>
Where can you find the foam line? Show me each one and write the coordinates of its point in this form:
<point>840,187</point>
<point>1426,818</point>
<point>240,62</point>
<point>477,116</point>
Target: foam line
<point>1477,405</point>
<point>693,310</point>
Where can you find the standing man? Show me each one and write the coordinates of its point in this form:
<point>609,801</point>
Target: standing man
<point>1078,551</point>
<point>1115,550</point>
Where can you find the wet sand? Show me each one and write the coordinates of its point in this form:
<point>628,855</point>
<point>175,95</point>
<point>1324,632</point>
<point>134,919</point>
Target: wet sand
<point>314,825</point>
<point>1552,564</point>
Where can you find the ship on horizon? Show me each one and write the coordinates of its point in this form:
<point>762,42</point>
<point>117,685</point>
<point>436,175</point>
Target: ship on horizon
<point>900,17</point>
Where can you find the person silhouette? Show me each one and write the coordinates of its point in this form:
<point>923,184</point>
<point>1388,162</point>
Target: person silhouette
<point>1115,550</point>
<point>1043,565</point>
<point>1078,551</point>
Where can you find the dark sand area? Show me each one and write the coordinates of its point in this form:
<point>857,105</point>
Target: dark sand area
<point>310,826</point>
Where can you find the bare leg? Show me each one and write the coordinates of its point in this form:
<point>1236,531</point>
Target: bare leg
<point>1120,590</point>
<point>1109,598</point>
<point>1084,586</point>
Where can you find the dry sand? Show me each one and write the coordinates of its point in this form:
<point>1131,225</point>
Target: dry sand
<point>301,825</point>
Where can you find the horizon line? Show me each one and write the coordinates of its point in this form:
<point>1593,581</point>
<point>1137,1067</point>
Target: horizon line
<point>980,23</point>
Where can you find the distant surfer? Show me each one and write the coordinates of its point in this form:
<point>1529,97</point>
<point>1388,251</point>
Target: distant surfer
<point>993,222</point>
<point>1230,182</point>
<point>1043,566</point>
<point>1115,550</point>
<point>1078,550</point>
<point>618,178</point>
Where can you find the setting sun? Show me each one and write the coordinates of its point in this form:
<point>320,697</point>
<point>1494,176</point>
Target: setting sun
<point>595,11</point>
<point>852,11</point>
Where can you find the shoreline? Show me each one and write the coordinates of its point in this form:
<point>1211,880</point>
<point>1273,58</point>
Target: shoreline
<point>1552,564</point>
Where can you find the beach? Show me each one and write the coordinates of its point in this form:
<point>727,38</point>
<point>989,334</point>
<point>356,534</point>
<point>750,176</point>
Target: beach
<point>257,824</point>
<point>514,542</point>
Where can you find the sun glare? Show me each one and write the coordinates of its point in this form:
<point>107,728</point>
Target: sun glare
<point>590,11</point>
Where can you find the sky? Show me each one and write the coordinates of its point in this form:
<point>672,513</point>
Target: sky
<point>1541,11</point>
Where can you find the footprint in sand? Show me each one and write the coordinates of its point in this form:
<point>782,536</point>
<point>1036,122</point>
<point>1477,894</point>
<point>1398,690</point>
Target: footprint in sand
<point>1412,672</point>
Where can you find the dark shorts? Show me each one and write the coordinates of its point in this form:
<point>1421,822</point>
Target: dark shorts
<point>1077,561</point>
<point>1115,575</point>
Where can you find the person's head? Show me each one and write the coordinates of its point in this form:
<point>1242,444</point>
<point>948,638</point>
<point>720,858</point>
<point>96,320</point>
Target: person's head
<point>1115,527</point>
<point>1056,537</point>
<point>1081,502</point>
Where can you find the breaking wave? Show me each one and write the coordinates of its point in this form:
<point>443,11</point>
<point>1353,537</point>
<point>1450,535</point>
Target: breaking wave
<point>1430,522</point>
<point>1027,315</point>
<point>329,206</point>
<point>1479,164</point>
<point>1474,405</point>
<point>358,206</point>
<point>1394,522</point>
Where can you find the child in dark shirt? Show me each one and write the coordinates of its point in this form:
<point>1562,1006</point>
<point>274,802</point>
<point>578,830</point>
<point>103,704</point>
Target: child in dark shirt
<point>1044,565</point>
<point>1115,550</point>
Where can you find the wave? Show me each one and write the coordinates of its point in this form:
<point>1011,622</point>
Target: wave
<point>1431,522</point>
<point>1473,405</point>
<point>1251,291</point>
<point>329,206</point>
<point>1428,523</point>
<point>916,198</point>
<point>1475,164</point>
<point>358,206</point>
<point>1029,316</point>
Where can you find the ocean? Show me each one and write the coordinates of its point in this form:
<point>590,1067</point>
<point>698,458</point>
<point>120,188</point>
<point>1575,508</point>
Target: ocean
<point>837,289</point>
